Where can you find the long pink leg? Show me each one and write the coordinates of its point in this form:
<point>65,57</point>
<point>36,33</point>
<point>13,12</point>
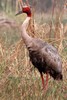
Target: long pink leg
<point>42,80</point>
<point>45,86</point>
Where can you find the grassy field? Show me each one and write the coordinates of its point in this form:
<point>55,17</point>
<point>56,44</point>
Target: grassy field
<point>18,78</point>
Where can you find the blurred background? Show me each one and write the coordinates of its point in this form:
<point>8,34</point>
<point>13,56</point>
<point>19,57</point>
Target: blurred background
<point>18,78</point>
<point>39,5</point>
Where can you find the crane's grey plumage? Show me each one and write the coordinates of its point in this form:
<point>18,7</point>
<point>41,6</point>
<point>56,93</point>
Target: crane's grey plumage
<point>43,56</point>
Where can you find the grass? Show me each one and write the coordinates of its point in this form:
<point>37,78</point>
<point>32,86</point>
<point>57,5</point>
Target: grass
<point>18,78</point>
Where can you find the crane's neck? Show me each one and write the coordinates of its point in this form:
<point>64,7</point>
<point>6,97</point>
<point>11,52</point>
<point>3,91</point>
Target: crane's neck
<point>24,34</point>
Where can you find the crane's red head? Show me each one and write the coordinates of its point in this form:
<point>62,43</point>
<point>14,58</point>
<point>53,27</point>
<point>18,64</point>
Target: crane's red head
<point>26,10</point>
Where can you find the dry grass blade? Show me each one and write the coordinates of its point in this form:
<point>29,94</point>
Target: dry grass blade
<point>16,51</point>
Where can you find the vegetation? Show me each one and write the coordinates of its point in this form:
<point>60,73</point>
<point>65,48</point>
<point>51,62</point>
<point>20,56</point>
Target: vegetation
<point>18,78</point>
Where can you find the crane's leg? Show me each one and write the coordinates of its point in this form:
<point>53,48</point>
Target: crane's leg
<point>42,80</point>
<point>45,86</point>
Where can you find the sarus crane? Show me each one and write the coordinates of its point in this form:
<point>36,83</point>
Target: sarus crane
<point>43,55</point>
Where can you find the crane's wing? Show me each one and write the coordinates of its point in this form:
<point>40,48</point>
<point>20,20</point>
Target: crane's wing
<point>51,57</point>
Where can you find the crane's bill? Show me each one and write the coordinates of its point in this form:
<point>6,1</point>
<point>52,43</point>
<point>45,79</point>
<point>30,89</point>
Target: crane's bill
<point>20,12</point>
